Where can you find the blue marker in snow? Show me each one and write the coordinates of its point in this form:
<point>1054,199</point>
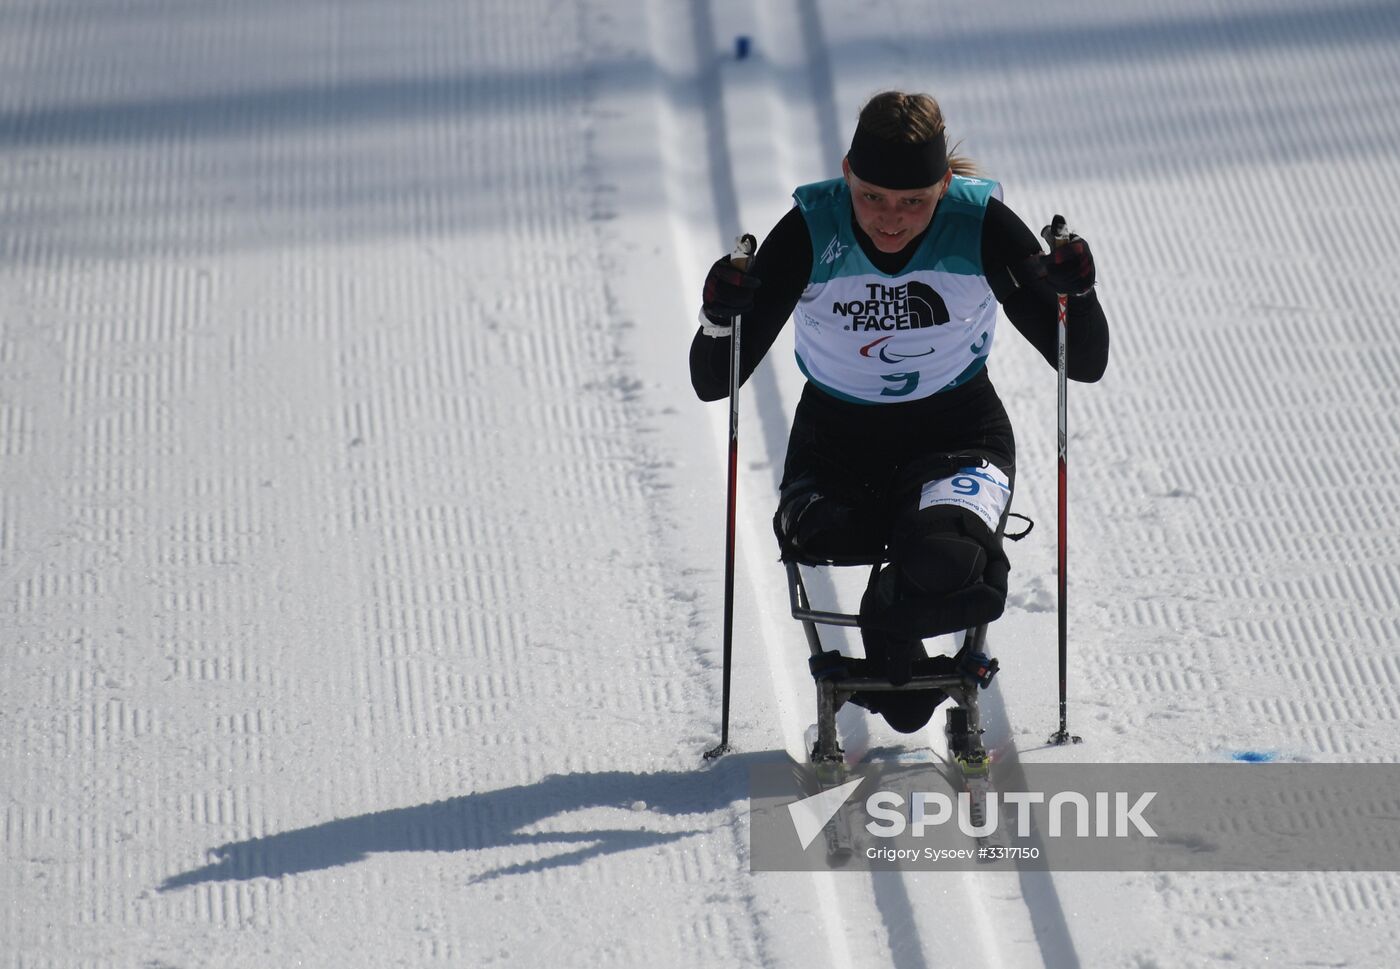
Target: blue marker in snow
<point>742,44</point>
<point>1254,756</point>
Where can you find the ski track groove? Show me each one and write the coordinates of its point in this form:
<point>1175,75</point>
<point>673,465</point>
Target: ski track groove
<point>698,152</point>
<point>903,931</point>
<point>912,930</point>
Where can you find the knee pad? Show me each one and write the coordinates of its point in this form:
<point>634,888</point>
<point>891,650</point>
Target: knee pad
<point>949,573</point>
<point>941,563</point>
<point>820,526</point>
<point>943,549</point>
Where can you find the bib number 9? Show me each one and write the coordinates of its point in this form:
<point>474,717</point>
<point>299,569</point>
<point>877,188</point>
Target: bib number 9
<point>985,491</point>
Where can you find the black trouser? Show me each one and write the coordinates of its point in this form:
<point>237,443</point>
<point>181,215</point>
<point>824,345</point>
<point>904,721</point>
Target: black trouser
<point>850,494</point>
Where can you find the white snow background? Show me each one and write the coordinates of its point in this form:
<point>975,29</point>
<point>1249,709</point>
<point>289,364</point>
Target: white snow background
<point>361,539</point>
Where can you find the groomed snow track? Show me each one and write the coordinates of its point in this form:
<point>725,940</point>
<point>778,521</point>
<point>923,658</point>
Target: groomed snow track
<point>360,537</point>
<point>738,133</point>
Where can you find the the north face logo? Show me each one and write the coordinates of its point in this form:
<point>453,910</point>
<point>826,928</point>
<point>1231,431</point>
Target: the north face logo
<point>912,306</point>
<point>926,306</point>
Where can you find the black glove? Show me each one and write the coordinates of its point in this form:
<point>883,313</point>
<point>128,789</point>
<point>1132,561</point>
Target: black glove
<point>1069,268</point>
<point>728,292</point>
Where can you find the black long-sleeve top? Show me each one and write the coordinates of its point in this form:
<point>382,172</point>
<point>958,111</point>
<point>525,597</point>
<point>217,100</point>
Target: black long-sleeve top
<point>784,264</point>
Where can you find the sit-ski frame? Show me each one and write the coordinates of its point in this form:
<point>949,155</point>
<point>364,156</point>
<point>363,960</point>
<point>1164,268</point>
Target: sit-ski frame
<point>964,722</point>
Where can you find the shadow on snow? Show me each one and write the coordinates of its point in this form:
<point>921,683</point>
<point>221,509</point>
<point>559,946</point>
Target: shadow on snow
<point>496,819</point>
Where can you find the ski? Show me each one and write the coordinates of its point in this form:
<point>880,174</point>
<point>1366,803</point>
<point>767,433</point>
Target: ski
<point>973,766</point>
<point>837,833</point>
<point>828,763</point>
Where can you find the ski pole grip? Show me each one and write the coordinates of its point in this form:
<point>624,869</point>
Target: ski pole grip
<point>744,247</point>
<point>1057,233</point>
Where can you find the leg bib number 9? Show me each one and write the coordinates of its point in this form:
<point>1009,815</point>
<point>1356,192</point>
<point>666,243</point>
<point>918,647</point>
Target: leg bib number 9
<point>984,491</point>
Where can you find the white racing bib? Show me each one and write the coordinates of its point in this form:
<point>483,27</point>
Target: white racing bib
<point>867,336</point>
<point>984,491</point>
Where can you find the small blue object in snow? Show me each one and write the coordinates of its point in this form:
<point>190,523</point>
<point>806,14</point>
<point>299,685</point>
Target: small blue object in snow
<point>1254,756</point>
<point>742,45</point>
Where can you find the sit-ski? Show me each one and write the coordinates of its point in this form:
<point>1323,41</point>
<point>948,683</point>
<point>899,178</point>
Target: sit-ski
<point>836,684</point>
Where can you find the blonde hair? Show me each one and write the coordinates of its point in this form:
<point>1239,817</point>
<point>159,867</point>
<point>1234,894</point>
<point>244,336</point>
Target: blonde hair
<point>912,119</point>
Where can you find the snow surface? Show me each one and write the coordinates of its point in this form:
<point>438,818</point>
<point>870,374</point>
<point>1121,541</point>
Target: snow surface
<point>361,540</point>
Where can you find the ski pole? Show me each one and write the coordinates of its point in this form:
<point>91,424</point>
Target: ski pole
<point>743,251</point>
<point>1058,235</point>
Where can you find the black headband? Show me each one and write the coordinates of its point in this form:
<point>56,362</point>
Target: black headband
<point>896,164</point>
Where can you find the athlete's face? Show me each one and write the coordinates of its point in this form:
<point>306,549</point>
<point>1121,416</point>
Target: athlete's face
<point>892,217</point>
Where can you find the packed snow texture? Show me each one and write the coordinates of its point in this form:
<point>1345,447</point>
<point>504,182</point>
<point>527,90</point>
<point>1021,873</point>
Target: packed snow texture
<point>361,540</point>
